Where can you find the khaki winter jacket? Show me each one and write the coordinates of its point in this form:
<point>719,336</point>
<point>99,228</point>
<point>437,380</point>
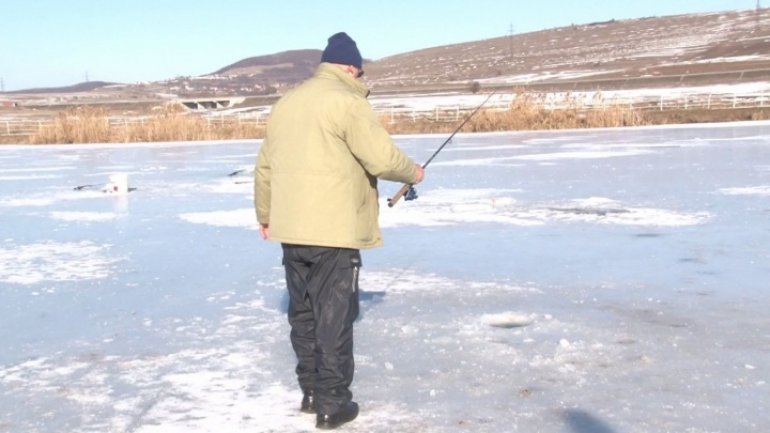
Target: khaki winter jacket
<point>316,173</point>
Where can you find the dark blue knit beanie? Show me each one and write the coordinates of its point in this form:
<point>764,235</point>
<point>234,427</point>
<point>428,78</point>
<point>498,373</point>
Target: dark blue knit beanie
<point>342,49</point>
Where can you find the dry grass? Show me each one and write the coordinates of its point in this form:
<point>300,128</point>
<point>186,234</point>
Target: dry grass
<point>527,112</point>
<point>93,125</point>
<point>80,125</point>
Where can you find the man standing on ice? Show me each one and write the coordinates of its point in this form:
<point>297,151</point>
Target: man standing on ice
<point>315,192</point>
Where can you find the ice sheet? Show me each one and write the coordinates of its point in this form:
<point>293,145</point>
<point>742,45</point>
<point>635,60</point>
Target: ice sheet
<point>570,281</point>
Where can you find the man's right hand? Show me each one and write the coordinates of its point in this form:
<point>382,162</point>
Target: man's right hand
<point>420,175</point>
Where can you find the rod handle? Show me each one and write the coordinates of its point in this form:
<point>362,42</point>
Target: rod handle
<point>397,196</point>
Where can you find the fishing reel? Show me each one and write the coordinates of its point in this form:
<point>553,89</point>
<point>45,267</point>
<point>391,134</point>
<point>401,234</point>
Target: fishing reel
<point>411,194</point>
<point>407,191</point>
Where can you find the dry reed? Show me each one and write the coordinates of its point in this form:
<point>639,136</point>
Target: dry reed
<point>92,125</point>
<point>79,125</point>
<point>526,112</point>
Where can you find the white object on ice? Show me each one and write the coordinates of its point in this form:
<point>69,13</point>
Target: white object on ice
<point>118,184</point>
<point>508,320</point>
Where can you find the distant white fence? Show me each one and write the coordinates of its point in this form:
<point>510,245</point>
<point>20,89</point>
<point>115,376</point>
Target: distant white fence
<point>673,101</point>
<point>19,127</point>
<point>587,101</point>
<point>16,127</point>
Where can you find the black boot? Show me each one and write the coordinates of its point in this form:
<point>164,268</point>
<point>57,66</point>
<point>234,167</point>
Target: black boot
<point>308,402</point>
<point>346,413</point>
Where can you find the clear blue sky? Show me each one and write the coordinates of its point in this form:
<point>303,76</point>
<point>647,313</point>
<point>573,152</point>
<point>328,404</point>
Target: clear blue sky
<point>60,42</point>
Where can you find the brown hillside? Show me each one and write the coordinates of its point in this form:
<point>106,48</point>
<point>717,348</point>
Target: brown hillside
<point>288,65</point>
<point>614,50</point>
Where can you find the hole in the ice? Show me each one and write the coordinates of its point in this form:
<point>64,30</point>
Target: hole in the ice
<point>691,260</point>
<point>649,235</point>
<point>374,296</point>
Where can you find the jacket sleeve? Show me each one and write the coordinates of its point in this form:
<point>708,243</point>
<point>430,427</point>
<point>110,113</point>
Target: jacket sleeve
<point>262,184</point>
<point>372,146</point>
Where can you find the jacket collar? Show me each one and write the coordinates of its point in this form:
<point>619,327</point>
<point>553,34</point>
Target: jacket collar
<point>328,70</point>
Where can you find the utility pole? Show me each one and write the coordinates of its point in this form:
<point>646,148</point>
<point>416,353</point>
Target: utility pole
<point>2,85</point>
<point>756,17</point>
<point>510,43</point>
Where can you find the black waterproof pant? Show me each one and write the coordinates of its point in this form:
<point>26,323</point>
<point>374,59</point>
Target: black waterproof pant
<point>323,304</point>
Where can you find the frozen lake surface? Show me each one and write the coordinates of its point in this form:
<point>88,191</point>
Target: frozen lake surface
<point>600,281</point>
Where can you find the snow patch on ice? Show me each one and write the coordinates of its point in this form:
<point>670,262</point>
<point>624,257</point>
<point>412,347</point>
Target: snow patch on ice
<point>35,169</point>
<point>84,216</point>
<point>548,75</point>
<point>607,211</point>
<point>239,218</point>
<point>42,200</point>
<point>231,187</point>
<point>406,281</point>
<point>762,190</point>
<point>54,261</point>
<point>444,207</point>
<point>582,155</point>
<point>447,207</point>
<point>28,177</point>
<point>207,400</point>
<point>229,376</point>
<point>645,147</point>
<point>458,206</point>
<point>500,147</point>
<point>556,156</point>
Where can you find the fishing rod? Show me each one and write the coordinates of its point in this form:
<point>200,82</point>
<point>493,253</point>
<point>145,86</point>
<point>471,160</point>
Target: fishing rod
<point>407,191</point>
